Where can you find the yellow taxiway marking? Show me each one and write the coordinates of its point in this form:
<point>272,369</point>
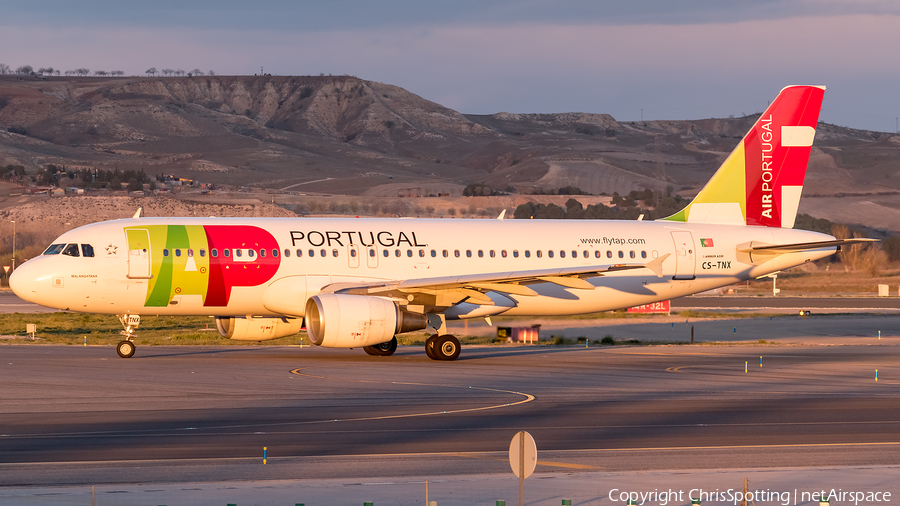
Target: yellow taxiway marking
<point>673,354</point>
<point>527,398</point>
<point>475,455</point>
<point>540,462</point>
<point>737,447</point>
<point>679,368</point>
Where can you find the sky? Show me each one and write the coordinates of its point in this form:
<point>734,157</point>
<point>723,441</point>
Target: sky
<point>633,59</point>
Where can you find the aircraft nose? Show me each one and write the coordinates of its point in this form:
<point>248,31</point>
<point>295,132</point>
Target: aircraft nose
<point>24,281</point>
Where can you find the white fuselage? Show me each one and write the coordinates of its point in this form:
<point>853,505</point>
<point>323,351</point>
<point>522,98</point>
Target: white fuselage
<point>124,277</point>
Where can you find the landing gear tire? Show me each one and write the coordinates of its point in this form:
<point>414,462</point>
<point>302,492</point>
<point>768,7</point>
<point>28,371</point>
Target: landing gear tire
<point>429,347</point>
<point>384,349</point>
<point>125,349</point>
<point>446,348</point>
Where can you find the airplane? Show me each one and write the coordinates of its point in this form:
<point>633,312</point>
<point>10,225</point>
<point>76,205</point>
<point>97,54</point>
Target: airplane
<point>360,282</point>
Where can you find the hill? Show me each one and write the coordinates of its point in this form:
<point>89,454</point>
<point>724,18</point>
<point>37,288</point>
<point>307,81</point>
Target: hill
<point>344,135</point>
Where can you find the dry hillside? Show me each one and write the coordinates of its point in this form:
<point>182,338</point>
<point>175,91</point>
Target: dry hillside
<point>343,135</point>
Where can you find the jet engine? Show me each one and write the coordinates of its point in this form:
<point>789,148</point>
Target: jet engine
<point>257,329</point>
<point>351,321</point>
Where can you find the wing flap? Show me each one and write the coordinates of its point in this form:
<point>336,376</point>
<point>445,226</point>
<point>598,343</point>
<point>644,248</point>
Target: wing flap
<point>449,290</point>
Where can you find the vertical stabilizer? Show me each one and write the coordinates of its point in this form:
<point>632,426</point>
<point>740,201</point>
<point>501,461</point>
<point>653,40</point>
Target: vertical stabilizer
<point>761,180</point>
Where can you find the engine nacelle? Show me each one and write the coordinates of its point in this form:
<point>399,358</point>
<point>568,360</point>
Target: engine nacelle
<point>257,329</point>
<point>351,321</point>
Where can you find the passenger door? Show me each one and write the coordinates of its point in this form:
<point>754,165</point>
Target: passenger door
<point>138,253</point>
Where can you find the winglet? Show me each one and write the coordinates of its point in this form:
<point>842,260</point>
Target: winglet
<point>502,214</point>
<point>137,214</point>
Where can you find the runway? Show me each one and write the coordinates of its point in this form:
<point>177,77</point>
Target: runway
<point>74,415</point>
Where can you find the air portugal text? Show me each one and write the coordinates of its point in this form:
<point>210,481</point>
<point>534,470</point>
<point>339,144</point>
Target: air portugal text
<point>767,176</point>
<point>343,238</point>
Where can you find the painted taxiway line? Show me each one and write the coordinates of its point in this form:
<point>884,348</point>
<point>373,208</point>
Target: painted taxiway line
<point>528,398</point>
<point>498,456</point>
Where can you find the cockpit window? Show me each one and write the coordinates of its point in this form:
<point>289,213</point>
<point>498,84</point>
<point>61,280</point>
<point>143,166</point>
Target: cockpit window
<point>71,250</point>
<point>54,249</point>
<point>87,250</point>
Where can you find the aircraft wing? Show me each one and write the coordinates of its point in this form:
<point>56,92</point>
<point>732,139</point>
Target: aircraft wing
<point>777,249</point>
<point>450,290</point>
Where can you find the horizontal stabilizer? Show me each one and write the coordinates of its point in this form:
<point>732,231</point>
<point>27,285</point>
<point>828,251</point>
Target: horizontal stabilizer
<point>777,249</point>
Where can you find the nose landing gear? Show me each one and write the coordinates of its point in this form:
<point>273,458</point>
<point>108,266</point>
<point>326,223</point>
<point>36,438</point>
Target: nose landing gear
<point>126,348</point>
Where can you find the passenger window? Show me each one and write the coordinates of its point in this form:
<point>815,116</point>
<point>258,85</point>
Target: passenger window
<point>538,253</point>
<point>631,253</point>
<point>251,253</point>
<point>178,252</point>
<point>503,253</point>
<point>54,249</point>
<point>480,254</point>
<point>456,253</point>
<point>528,253</point>
<point>386,253</point>
<point>353,253</point>
<point>562,253</point>
<point>372,252</point>
<point>215,253</point>
<point>202,253</point>
<point>409,253</point>
<point>165,252</point>
<point>597,254</point>
<point>397,253</point>
<point>445,253</point>
<point>311,253</point>
<point>334,253</point>
<point>87,250</point>
<point>643,254</point>
<point>226,252</point>
<point>275,253</point>
<point>323,253</point>
<point>621,254</point>
<point>608,254</point>
<point>238,253</point>
<point>190,253</point>
<point>421,253</point>
<point>433,254</point>
<point>262,253</point>
<point>575,254</point>
<point>468,253</point>
<point>287,253</point>
<point>491,253</point>
<point>515,253</point>
<point>550,253</point>
<point>300,252</point>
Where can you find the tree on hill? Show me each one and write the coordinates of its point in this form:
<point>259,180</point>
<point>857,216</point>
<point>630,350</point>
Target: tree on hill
<point>4,69</point>
<point>25,69</point>
<point>151,71</point>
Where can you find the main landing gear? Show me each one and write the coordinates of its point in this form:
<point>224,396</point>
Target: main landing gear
<point>126,348</point>
<point>444,347</point>
<point>384,349</point>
